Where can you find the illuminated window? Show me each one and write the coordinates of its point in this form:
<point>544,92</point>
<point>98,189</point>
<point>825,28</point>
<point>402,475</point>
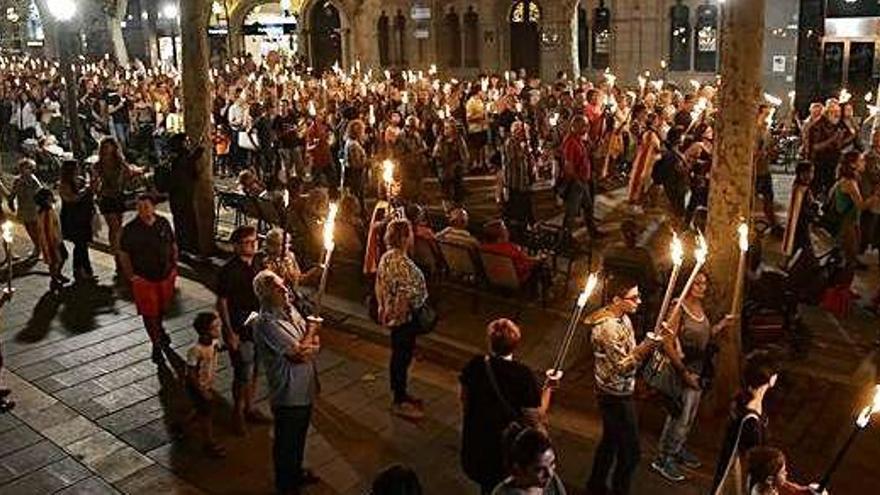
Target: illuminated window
<point>525,11</point>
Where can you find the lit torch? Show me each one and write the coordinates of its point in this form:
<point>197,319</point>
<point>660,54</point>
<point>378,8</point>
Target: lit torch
<point>861,423</point>
<point>676,251</point>
<point>7,246</point>
<point>329,244</point>
<point>555,373</point>
<point>700,254</point>
<point>743,235</point>
<point>387,177</point>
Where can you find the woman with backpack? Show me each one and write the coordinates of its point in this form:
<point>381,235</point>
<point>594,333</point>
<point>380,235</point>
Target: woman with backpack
<point>496,392</point>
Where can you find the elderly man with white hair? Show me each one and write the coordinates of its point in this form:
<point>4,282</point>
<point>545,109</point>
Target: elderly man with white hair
<point>288,347</point>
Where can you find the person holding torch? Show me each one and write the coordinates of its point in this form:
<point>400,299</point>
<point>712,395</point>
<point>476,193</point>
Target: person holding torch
<point>617,359</point>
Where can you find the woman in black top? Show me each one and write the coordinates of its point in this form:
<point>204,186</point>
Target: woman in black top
<point>489,409</point>
<point>747,426</point>
<point>77,210</point>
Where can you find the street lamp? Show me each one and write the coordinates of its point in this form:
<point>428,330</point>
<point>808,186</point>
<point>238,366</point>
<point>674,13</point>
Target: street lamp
<point>63,11</point>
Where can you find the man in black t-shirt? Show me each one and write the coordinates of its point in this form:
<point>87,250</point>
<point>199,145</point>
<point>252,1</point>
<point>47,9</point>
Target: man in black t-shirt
<point>235,302</point>
<point>488,409</point>
<point>148,258</point>
<point>116,106</point>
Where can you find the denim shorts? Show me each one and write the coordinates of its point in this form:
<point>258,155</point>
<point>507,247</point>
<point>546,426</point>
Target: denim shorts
<point>244,363</point>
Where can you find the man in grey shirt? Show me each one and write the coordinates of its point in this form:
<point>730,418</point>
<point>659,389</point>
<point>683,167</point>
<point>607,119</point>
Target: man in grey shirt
<point>288,348</point>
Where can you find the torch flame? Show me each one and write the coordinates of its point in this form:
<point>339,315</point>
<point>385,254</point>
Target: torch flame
<point>329,226</point>
<point>743,231</point>
<point>869,410</point>
<point>677,250</point>
<point>589,287</point>
<point>7,231</point>
<point>702,250</point>
<point>611,78</point>
<point>387,171</point>
<point>845,96</point>
<point>869,97</point>
<point>312,111</point>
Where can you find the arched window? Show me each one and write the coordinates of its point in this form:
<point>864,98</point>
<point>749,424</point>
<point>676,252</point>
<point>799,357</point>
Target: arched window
<point>706,46</point>
<point>453,33</point>
<point>471,38</point>
<point>525,36</point>
<point>601,58</point>
<point>383,35</point>
<point>399,36</point>
<point>679,37</point>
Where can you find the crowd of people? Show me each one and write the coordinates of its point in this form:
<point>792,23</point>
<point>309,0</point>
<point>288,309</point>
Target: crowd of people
<point>302,139</point>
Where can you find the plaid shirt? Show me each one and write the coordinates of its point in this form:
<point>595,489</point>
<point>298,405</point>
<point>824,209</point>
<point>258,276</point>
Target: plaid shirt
<point>613,342</point>
<point>517,165</point>
<point>400,288</point>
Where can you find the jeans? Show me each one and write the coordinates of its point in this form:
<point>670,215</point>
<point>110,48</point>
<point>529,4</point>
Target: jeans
<point>289,445</point>
<point>119,130</point>
<point>579,200</point>
<point>403,342</point>
<point>620,443</point>
<point>676,429</point>
<point>81,262</point>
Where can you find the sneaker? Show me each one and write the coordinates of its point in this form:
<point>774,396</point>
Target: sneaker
<point>6,405</point>
<point>407,410</point>
<point>668,469</point>
<point>688,459</point>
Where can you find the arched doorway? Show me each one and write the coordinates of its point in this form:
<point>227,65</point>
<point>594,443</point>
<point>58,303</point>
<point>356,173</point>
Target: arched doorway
<point>525,36</point>
<point>325,33</point>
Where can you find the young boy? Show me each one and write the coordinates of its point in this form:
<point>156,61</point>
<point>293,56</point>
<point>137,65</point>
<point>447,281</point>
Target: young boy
<point>201,366</point>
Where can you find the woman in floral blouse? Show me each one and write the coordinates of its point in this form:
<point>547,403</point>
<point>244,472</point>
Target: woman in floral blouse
<point>400,291</point>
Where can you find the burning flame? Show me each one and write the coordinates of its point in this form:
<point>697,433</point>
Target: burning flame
<point>7,231</point>
<point>589,287</point>
<point>772,99</point>
<point>702,250</point>
<point>869,410</point>
<point>611,78</point>
<point>869,97</point>
<point>642,82</point>
<point>845,96</point>
<point>433,69</point>
<point>387,172</point>
<point>743,232</point>
<point>329,226</point>
<point>312,111</point>
<point>677,250</point>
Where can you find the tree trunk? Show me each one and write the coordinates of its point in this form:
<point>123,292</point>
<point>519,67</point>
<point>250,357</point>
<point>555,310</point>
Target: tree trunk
<point>197,112</point>
<point>731,190</point>
<point>114,31</point>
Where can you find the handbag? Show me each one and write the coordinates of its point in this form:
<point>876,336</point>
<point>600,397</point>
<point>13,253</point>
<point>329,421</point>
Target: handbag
<point>660,376</point>
<point>425,319</point>
<point>733,482</point>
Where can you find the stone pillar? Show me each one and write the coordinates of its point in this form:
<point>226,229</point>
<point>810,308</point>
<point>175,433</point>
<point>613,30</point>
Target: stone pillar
<point>197,111</point>
<point>731,190</point>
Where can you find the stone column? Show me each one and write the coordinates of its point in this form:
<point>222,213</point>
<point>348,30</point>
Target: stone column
<point>197,111</point>
<point>731,190</point>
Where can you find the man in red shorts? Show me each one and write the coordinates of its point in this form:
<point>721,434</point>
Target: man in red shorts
<point>148,256</point>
